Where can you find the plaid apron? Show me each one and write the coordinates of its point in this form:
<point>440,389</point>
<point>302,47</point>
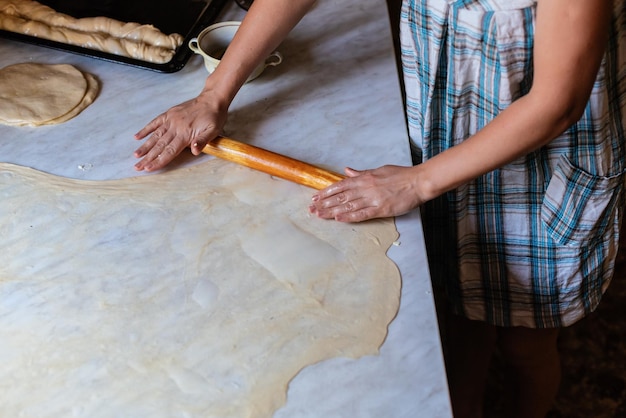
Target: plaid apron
<point>533,243</point>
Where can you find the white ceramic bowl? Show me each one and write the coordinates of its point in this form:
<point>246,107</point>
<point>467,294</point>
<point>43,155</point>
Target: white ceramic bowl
<point>212,42</point>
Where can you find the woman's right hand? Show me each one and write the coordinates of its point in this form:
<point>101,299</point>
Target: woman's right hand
<point>190,124</point>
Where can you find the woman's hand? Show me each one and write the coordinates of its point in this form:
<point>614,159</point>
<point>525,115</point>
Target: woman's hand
<point>383,192</point>
<point>196,122</point>
<point>191,124</point>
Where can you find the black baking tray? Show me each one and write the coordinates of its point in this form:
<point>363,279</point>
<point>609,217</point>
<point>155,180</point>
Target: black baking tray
<point>186,17</point>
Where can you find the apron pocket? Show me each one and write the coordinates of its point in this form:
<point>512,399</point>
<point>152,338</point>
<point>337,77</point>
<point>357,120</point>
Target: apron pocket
<point>578,206</point>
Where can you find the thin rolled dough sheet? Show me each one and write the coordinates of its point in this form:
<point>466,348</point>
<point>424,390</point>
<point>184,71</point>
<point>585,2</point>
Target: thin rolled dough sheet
<point>199,292</point>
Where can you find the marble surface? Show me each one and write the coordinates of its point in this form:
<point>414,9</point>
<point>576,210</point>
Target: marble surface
<point>334,101</point>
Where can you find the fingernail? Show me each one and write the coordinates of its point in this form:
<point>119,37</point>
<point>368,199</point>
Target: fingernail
<point>315,198</point>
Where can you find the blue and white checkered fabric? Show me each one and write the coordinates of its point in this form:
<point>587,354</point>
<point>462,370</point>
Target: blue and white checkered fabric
<point>533,243</point>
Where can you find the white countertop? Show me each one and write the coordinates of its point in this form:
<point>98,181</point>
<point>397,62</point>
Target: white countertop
<point>335,101</point>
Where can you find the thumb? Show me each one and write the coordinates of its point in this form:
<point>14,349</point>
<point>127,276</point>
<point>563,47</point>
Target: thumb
<point>351,172</point>
<point>198,145</point>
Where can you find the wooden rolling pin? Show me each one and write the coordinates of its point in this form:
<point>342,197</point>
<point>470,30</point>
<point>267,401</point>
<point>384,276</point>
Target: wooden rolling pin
<point>271,163</point>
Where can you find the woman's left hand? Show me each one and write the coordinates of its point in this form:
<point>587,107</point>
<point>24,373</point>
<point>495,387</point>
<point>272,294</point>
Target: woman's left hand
<point>379,193</point>
<point>190,124</point>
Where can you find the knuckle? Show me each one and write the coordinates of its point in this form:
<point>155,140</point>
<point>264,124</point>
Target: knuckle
<point>360,215</point>
<point>169,150</point>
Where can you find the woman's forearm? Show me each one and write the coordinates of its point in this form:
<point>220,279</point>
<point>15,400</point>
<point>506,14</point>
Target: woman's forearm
<point>264,27</point>
<point>570,40</point>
